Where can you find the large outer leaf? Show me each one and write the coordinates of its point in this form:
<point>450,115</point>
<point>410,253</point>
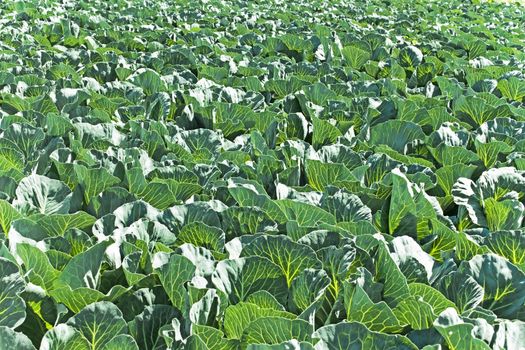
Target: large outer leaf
<point>305,214</point>
<point>83,269</point>
<point>415,264</point>
<point>25,136</point>
<point>410,207</point>
<point>145,327</point>
<point>200,234</point>
<point>64,337</point>
<point>503,283</point>
<point>354,335</point>
<point>11,160</point>
<point>238,317</point>
<point>239,278</point>
<point>214,338</point>
<point>476,111</point>
<point>416,313</point>
<point>308,287</point>
<point>275,330</point>
<point>345,206</point>
<point>387,272</point>
<point>359,307</point>
<point>509,244</point>
<point>149,81</point>
<point>512,88</point>
<point>38,194</point>
<point>493,200</point>
<point>12,306</point>
<point>93,181</point>
<point>463,290</point>
<point>291,257</point>
<point>458,334</point>
<point>7,215</point>
<point>320,175</point>
<point>99,323</point>
<point>121,342</point>
<point>410,56</point>
<point>323,133</point>
<point>58,224</point>
<point>431,296</point>
<point>9,339</point>
<point>79,298</point>
<point>396,134</point>
<point>355,56</point>
<point>39,269</point>
<point>173,276</point>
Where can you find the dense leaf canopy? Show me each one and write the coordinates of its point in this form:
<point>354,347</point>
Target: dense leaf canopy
<point>231,174</point>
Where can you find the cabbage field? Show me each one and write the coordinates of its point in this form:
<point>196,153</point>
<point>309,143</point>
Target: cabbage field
<point>262,175</point>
